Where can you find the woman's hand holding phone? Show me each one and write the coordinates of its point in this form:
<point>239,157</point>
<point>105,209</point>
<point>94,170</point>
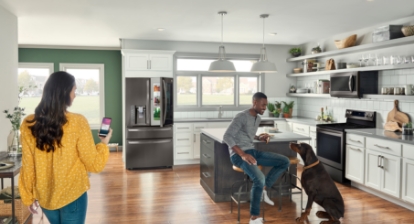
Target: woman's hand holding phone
<point>106,139</point>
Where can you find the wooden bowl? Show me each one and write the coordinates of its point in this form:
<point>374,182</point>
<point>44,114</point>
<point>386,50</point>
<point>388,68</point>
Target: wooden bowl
<point>408,30</point>
<point>297,70</point>
<point>347,42</point>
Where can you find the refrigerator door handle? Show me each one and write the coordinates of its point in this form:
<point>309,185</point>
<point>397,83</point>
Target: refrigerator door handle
<point>148,109</point>
<point>149,141</point>
<point>148,129</point>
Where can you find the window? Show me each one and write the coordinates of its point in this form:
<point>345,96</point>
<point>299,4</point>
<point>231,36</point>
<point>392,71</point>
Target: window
<point>89,99</point>
<point>187,90</point>
<point>197,88</point>
<point>32,77</point>
<point>247,87</point>
<point>218,90</point>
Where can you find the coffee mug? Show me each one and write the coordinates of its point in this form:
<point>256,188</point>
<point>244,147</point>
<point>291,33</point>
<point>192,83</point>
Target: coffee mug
<point>408,89</point>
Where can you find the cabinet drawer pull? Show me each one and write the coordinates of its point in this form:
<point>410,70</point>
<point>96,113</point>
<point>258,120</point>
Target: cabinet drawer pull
<point>357,149</point>
<point>183,153</point>
<point>198,127</point>
<point>206,156</point>
<point>194,139</point>
<point>183,128</point>
<point>378,161</point>
<point>354,140</point>
<point>381,162</point>
<point>382,147</point>
<point>183,139</point>
<point>206,174</point>
<point>206,142</point>
<point>301,129</point>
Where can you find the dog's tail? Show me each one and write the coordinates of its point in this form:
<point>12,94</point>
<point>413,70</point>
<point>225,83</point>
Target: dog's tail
<point>334,207</point>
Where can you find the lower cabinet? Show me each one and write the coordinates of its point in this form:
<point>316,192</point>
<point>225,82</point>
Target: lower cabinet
<point>383,172</point>
<point>408,180</point>
<point>355,161</point>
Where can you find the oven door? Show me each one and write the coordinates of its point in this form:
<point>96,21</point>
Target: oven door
<point>345,85</point>
<point>330,145</point>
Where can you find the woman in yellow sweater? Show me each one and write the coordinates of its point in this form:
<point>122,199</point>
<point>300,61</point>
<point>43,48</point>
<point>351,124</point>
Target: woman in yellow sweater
<point>58,152</point>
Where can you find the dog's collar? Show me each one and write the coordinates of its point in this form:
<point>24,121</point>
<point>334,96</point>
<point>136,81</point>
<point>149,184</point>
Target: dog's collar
<point>311,165</point>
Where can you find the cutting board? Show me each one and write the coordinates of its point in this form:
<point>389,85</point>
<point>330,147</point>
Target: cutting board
<point>392,126</point>
<point>398,116</point>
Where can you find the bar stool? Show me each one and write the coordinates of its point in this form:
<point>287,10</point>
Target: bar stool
<point>289,185</point>
<point>236,196</point>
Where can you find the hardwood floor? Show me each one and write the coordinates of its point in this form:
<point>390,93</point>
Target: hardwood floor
<point>175,196</point>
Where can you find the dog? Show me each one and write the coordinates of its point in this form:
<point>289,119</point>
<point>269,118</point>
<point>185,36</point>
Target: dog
<point>319,187</point>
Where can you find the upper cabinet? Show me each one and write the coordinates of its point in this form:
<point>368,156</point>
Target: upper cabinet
<point>144,63</point>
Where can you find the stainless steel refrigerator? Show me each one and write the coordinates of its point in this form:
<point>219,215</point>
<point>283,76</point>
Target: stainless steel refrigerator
<point>149,122</point>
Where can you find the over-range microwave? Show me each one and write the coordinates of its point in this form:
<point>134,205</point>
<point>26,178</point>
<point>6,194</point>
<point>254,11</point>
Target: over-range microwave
<point>354,84</point>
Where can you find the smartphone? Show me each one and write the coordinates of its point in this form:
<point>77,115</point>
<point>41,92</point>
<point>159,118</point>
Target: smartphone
<point>105,126</point>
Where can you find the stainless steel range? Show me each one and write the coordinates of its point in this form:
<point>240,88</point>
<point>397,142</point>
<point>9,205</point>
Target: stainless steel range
<point>331,141</point>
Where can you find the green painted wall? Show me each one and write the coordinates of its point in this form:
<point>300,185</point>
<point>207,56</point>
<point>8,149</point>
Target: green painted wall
<point>112,60</point>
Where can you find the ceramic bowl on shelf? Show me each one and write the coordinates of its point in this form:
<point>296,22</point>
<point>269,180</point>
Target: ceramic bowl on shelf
<point>408,30</point>
<point>297,70</point>
<point>352,65</point>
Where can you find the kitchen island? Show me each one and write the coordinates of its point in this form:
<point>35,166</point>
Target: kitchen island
<point>216,172</point>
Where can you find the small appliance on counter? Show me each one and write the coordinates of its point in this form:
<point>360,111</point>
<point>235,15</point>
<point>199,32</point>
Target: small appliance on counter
<point>354,84</point>
<point>323,86</point>
<point>302,90</point>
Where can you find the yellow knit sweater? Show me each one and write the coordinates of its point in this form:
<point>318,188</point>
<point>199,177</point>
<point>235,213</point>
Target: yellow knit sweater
<point>58,178</point>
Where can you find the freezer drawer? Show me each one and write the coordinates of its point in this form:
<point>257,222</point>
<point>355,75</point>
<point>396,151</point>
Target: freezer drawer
<point>149,132</point>
<point>149,153</point>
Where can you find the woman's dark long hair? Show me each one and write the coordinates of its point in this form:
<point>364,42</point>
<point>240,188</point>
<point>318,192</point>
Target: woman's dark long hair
<point>50,113</point>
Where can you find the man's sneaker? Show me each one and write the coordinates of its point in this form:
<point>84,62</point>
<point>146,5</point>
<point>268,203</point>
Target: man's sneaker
<point>266,198</point>
<point>256,221</point>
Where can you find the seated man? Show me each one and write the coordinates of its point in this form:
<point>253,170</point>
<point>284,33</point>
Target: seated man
<point>239,137</point>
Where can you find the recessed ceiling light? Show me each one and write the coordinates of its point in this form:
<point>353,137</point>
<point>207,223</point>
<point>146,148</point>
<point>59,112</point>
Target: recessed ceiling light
<point>273,34</point>
<point>160,29</point>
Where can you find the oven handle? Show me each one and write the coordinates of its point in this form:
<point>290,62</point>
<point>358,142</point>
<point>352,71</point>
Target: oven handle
<point>350,83</point>
<point>330,132</point>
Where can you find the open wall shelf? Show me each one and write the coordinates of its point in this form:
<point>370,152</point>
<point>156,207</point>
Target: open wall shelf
<point>359,48</point>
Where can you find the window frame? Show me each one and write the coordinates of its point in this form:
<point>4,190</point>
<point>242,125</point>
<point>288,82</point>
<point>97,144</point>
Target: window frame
<point>101,68</point>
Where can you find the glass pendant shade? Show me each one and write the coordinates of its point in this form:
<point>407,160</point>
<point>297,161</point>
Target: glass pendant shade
<point>263,65</point>
<point>222,65</point>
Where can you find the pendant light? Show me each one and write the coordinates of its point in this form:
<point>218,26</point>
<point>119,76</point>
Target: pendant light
<point>222,65</point>
<point>263,65</point>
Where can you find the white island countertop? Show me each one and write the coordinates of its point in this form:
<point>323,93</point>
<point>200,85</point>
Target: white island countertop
<point>285,136</point>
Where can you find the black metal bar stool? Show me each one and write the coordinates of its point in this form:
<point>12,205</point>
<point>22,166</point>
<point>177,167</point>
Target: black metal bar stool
<point>242,196</point>
<point>291,187</point>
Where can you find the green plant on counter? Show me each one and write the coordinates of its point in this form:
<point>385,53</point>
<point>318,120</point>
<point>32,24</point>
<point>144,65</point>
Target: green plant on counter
<point>408,125</point>
<point>317,49</point>
<point>278,104</point>
<point>287,108</point>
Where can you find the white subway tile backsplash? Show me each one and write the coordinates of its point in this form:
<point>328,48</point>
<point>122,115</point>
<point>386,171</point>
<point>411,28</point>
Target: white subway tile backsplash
<point>376,105</point>
<point>184,115</point>
<point>203,114</point>
<point>190,114</point>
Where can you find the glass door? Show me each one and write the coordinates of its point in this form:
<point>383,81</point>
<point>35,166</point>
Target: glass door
<point>330,147</point>
<point>155,101</point>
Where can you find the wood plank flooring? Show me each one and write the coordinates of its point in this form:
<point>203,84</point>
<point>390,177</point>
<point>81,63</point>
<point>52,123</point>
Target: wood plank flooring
<point>175,196</point>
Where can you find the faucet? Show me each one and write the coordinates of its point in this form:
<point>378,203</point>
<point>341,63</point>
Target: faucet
<point>220,112</point>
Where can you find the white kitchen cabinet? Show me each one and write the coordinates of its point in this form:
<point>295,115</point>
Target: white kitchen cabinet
<point>355,163</point>
<point>197,127</point>
<point>383,172</point>
<point>408,180</point>
<point>218,124</point>
<point>289,126</point>
<point>281,125</point>
<point>183,141</point>
<point>312,134</point>
<point>146,63</point>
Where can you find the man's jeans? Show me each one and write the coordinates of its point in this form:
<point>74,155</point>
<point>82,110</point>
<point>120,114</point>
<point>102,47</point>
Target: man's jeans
<point>278,162</point>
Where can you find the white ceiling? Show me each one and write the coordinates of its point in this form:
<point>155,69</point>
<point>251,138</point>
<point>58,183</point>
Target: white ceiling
<point>101,23</point>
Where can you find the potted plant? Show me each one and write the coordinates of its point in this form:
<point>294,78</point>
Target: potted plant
<point>287,109</point>
<point>271,108</point>
<point>278,108</point>
<point>295,52</point>
<point>316,50</point>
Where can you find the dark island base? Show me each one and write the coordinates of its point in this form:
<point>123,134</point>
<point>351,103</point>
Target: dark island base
<point>216,172</point>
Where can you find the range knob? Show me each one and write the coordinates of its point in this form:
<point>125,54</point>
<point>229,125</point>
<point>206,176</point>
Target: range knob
<point>369,115</point>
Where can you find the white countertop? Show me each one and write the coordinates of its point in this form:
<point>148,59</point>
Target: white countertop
<point>308,121</point>
<point>286,136</point>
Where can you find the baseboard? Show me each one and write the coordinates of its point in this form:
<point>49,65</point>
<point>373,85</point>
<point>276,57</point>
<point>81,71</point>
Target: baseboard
<point>186,162</point>
<point>389,198</point>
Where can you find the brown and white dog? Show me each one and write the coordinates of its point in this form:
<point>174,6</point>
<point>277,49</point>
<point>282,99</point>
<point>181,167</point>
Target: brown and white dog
<point>319,187</point>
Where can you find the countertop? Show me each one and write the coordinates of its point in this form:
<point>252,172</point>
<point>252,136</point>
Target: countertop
<point>301,120</point>
<point>286,136</point>
<point>383,134</point>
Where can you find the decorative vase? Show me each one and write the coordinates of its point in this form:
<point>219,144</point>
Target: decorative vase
<point>13,143</point>
<point>290,112</point>
<point>296,54</point>
<point>276,114</point>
